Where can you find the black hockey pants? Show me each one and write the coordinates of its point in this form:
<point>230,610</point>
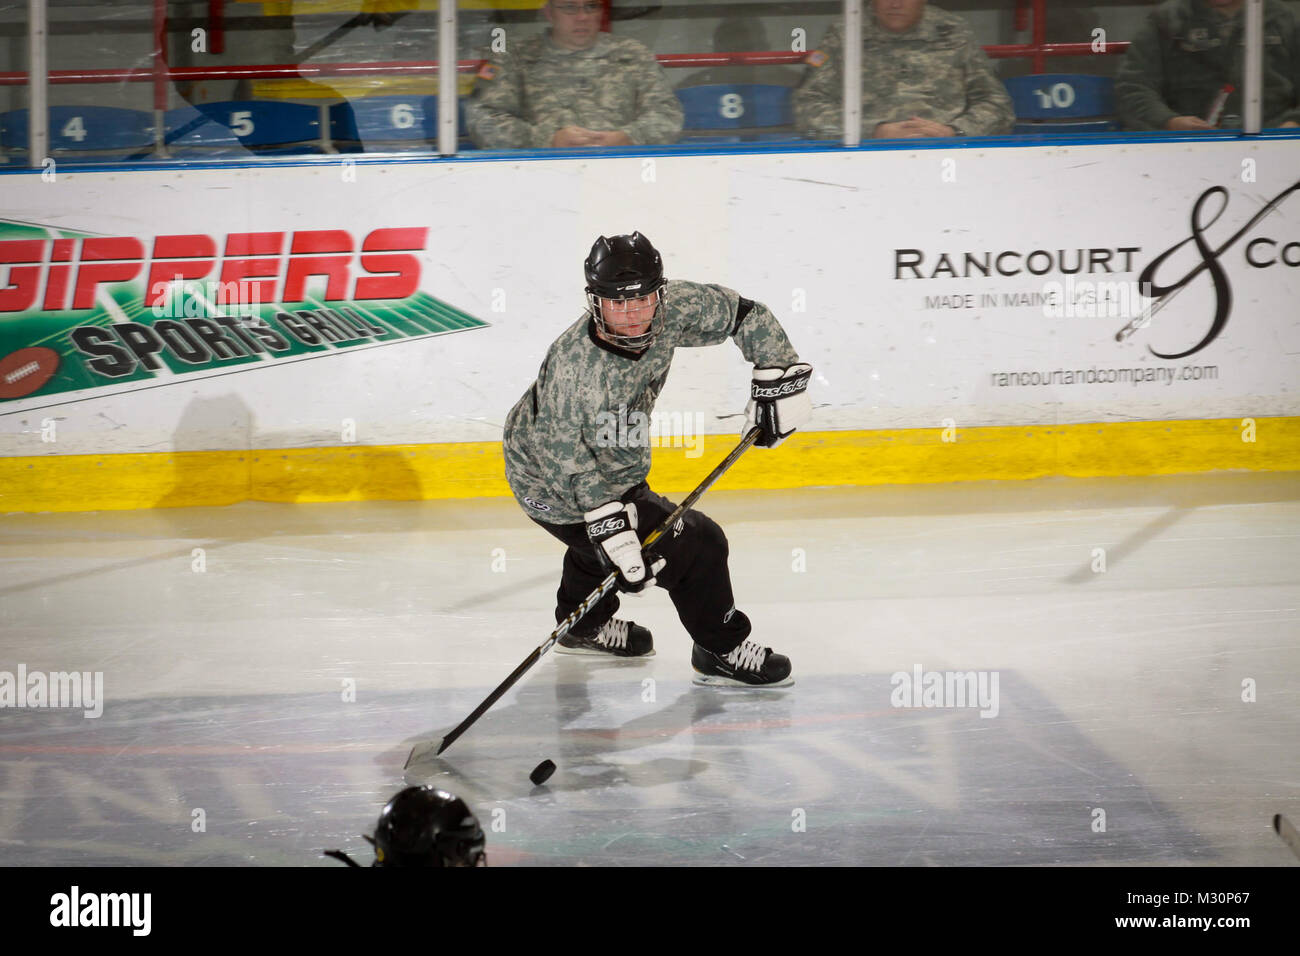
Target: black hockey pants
<point>695,577</point>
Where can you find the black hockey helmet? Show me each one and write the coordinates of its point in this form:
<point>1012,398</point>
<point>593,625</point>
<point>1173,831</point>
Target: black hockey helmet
<point>625,267</point>
<point>424,826</point>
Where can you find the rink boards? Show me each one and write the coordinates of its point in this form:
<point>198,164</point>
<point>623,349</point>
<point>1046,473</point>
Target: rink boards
<point>359,327</point>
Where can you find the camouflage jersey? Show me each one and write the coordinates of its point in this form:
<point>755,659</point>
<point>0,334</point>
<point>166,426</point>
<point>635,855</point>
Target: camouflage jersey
<point>935,71</point>
<point>1186,53</point>
<point>523,98</point>
<point>563,458</point>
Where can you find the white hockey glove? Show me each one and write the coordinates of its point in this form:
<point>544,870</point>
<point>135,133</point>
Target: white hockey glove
<point>778,402</point>
<point>612,529</point>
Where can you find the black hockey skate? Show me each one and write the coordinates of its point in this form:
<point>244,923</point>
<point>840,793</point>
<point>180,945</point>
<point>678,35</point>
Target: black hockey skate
<point>749,665</point>
<point>616,639</point>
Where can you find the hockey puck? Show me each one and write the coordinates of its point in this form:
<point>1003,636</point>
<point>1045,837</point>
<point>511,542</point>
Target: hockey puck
<point>542,772</point>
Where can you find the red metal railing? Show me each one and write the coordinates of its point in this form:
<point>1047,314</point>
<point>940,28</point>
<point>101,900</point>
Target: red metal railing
<point>217,26</point>
<point>1032,15</point>
<point>1040,51</point>
<point>425,68</point>
<point>253,72</point>
<point>1028,13</point>
<point>1039,35</point>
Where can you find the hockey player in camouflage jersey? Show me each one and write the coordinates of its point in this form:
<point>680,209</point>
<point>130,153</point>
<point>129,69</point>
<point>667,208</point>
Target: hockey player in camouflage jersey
<point>573,86</point>
<point>923,75</point>
<point>585,483</point>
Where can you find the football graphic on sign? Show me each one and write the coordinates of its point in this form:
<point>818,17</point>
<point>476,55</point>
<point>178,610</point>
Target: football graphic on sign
<point>24,371</point>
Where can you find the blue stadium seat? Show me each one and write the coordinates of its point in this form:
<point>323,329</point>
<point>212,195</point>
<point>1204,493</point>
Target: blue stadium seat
<point>1063,103</point>
<point>264,126</point>
<point>392,122</point>
<point>756,111</point>
<point>83,132</point>
<point>388,119</point>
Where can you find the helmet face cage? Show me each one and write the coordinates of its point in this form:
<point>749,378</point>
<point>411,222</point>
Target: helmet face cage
<point>462,847</point>
<point>634,342</point>
<point>622,268</point>
<point>423,826</point>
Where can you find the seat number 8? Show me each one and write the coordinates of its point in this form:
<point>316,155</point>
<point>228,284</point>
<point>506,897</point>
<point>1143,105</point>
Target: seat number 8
<point>732,106</point>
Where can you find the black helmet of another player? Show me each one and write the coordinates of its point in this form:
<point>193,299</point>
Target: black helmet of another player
<point>424,826</point>
<point>622,268</point>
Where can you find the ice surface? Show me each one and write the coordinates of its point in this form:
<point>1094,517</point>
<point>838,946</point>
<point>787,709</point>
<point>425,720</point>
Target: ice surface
<point>227,690</point>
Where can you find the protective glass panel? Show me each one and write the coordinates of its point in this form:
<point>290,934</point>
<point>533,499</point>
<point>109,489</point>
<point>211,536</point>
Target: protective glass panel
<point>1184,68</point>
<point>1064,68</point>
<point>925,74</point>
<point>1058,64</point>
<point>593,74</point>
<point>107,82</point>
<point>374,65</point>
<point>13,81</point>
<point>141,80</point>
<point>735,67</point>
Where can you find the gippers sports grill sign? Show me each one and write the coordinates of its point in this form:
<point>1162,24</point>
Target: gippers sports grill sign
<point>80,311</point>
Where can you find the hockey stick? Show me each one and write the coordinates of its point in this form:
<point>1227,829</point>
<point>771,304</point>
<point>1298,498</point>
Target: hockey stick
<point>594,597</point>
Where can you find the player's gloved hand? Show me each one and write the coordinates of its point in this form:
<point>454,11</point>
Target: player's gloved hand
<point>778,402</point>
<point>612,529</point>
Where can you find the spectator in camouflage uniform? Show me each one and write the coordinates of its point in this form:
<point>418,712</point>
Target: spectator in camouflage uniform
<point>573,86</point>
<point>923,75</point>
<point>1189,50</point>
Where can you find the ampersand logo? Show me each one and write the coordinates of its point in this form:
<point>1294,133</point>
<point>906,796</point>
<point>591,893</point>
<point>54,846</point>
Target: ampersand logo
<point>1209,263</point>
